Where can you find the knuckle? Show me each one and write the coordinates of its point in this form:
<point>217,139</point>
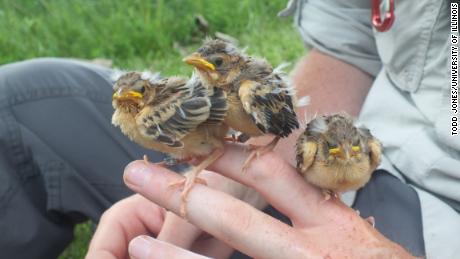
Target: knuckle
<point>107,215</point>
<point>116,210</point>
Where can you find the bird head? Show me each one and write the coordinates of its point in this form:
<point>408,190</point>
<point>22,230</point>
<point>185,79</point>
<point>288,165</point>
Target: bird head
<point>340,141</point>
<point>134,90</point>
<point>217,62</point>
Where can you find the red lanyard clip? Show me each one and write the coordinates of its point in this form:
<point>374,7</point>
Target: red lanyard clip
<point>389,16</point>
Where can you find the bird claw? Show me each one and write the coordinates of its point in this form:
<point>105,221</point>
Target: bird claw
<point>232,138</point>
<point>257,151</point>
<point>187,185</point>
<point>192,177</point>
<point>370,220</point>
<point>182,182</point>
<point>242,138</point>
<point>328,194</point>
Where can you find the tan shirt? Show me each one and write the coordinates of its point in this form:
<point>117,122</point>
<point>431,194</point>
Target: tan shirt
<point>408,106</point>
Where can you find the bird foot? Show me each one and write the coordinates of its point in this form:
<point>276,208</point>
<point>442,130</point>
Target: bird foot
<point>231,138</point>
<point>241,138</point>
<point>191,178</point>
<point>257,151</point>
<point>328,194</point>
<point>187,184</point>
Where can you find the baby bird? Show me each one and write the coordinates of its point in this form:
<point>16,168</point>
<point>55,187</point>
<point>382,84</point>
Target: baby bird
<point>174,116</point>
<point>259,99</point>
<point>335,155</point>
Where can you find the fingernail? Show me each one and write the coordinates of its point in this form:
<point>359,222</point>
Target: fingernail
<point>139,247</point>
<point>136,173</point>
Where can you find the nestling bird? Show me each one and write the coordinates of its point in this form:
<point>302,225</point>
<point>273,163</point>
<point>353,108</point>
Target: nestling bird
<point>173,115</point>
<point>259,99</point>
<point>335,155</point>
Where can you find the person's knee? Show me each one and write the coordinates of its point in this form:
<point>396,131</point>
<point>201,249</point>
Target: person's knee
<point>45,76</point>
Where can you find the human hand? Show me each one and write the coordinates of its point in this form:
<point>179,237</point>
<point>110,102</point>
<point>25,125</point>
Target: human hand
<point>135,216</point>
<point>320,229</point>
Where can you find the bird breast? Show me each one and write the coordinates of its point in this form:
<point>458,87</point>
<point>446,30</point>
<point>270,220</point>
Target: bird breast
<point>129,127</point>
<point>339,177</point>
<point>199,142</point>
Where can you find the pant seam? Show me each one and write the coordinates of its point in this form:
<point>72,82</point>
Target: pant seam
<point>15,152</point>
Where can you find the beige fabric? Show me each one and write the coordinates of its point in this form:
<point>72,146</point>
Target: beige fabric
<point>408,105</point>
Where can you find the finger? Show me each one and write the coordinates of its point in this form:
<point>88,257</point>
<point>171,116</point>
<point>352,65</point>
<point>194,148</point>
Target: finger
<point>144,247</point>
<point>278,182</point>
<point>224,217</point>
<point>213,248</point>
<point>178,232</point>
<point>126,219</point>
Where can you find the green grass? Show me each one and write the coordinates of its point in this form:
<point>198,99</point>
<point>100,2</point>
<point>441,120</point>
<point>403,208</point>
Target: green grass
<point>139,34</point>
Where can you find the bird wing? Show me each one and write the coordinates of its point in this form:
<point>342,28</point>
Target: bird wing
<point>219,106</point>
<point>170,121</point>
<point>306,152</point>
<point>375,153</point>
<point>374,145</point>
<point>270,105</point>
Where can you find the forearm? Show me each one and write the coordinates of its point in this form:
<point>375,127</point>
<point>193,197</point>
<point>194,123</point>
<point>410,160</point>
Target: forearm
<point>332,85</point>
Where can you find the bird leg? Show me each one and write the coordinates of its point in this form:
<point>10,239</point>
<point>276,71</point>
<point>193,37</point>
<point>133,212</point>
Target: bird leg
<point>231,138</point>
<point>258,151</point>
<point>191,177</point>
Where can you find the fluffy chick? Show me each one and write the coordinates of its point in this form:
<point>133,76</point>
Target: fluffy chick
<point>335,155</point>
<point>172,115</point>
<point>260,101</point>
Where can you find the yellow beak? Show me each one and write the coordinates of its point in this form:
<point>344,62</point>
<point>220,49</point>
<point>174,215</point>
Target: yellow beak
<point>120,94</point>
<point>197,61</point>
<point>340,153</point>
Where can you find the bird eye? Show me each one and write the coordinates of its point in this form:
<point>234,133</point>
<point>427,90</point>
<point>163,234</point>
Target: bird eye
<point>142,90</point>
<point>218,61</point>
<point>356,142</point>
<point>331,145</point>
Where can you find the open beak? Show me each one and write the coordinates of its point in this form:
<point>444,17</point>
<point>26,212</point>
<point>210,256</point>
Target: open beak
<point>126,95</point>
<point>197,61</point>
